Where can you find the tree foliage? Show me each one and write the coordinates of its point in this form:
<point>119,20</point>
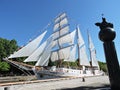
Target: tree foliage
<point>4,66</point>
<point>7,47</point>
<point>103,66</point>
<point>75,64</point>
<point>64,63</point>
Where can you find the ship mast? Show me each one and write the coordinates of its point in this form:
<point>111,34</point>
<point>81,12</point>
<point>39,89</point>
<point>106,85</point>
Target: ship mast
<point>60,32</point>
<point>83,59</point>
<point>78,47</point>
<point>91,47</point>
<point>59,60</point>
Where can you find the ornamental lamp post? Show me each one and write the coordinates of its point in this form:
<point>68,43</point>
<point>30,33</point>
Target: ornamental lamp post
<point>107,35</point>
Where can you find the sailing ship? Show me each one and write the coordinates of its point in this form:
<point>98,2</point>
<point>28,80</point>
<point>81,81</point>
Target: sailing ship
<point>60,46</point>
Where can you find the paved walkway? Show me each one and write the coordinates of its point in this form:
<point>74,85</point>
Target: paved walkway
<point>70,84</point>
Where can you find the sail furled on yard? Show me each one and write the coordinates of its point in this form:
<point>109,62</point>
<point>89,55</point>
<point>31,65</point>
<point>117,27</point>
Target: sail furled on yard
<point>29,48</point>
<point>92,52</point>
<point>82,50</point>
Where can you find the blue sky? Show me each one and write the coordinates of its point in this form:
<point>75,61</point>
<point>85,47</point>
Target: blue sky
<point>22,19</point>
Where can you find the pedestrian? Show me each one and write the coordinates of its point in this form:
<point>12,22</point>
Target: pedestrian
<point>83,79</point>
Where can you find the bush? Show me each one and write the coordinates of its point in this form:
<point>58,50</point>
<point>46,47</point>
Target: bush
<point>103,66</point>
<point>4,66</point>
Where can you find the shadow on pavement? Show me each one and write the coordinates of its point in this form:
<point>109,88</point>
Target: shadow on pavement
<point>103,87</point>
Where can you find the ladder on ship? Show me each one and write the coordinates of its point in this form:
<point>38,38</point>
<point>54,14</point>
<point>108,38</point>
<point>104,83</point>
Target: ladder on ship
<point>25,68</point>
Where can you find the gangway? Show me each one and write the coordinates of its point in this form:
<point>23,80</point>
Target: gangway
<point>21,66</point>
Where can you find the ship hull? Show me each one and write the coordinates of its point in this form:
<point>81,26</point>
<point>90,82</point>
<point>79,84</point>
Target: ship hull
<point>64,72</point>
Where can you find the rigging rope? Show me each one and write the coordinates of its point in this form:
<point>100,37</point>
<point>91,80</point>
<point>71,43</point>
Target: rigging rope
<point>18,67</point>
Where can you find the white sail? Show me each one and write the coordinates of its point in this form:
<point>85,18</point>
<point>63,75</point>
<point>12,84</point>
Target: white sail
<point>64,30</point>
<point>72,34</point>
<point>82,49</point>
<point>46,63</point>
<point>63,22</point>
<point>65,39</point>
<point>56,35</point>
<point>36,54</point>
<point>93,57</point>
<point>29,48</point>
<point>69,38</point>
<point>72,55</point>
<point>44,58</point>
<point>92,52</point>
<point>80,38</point>
<point>54,44</point>
<point>60,24</point>
<point>56,26</point>
<point>60,17</point>
<point>62,54</point>
<point>54,56</point>
<point>43,61</point>
<point>91,45</point>
<point>57,19</point>
<point>83,56</point>
<point>61,32</point>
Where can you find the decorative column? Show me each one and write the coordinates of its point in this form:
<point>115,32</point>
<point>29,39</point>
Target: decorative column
<point>107,35</point>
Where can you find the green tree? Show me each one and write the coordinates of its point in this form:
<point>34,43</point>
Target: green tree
<point>12,47</point>
<point>52,63</point>
<point>4,66</point>
<point>103,66</point>
<point>7,47</point>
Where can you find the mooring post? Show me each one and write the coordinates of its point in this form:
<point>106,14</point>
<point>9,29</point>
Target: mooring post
<point>107,35</point>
